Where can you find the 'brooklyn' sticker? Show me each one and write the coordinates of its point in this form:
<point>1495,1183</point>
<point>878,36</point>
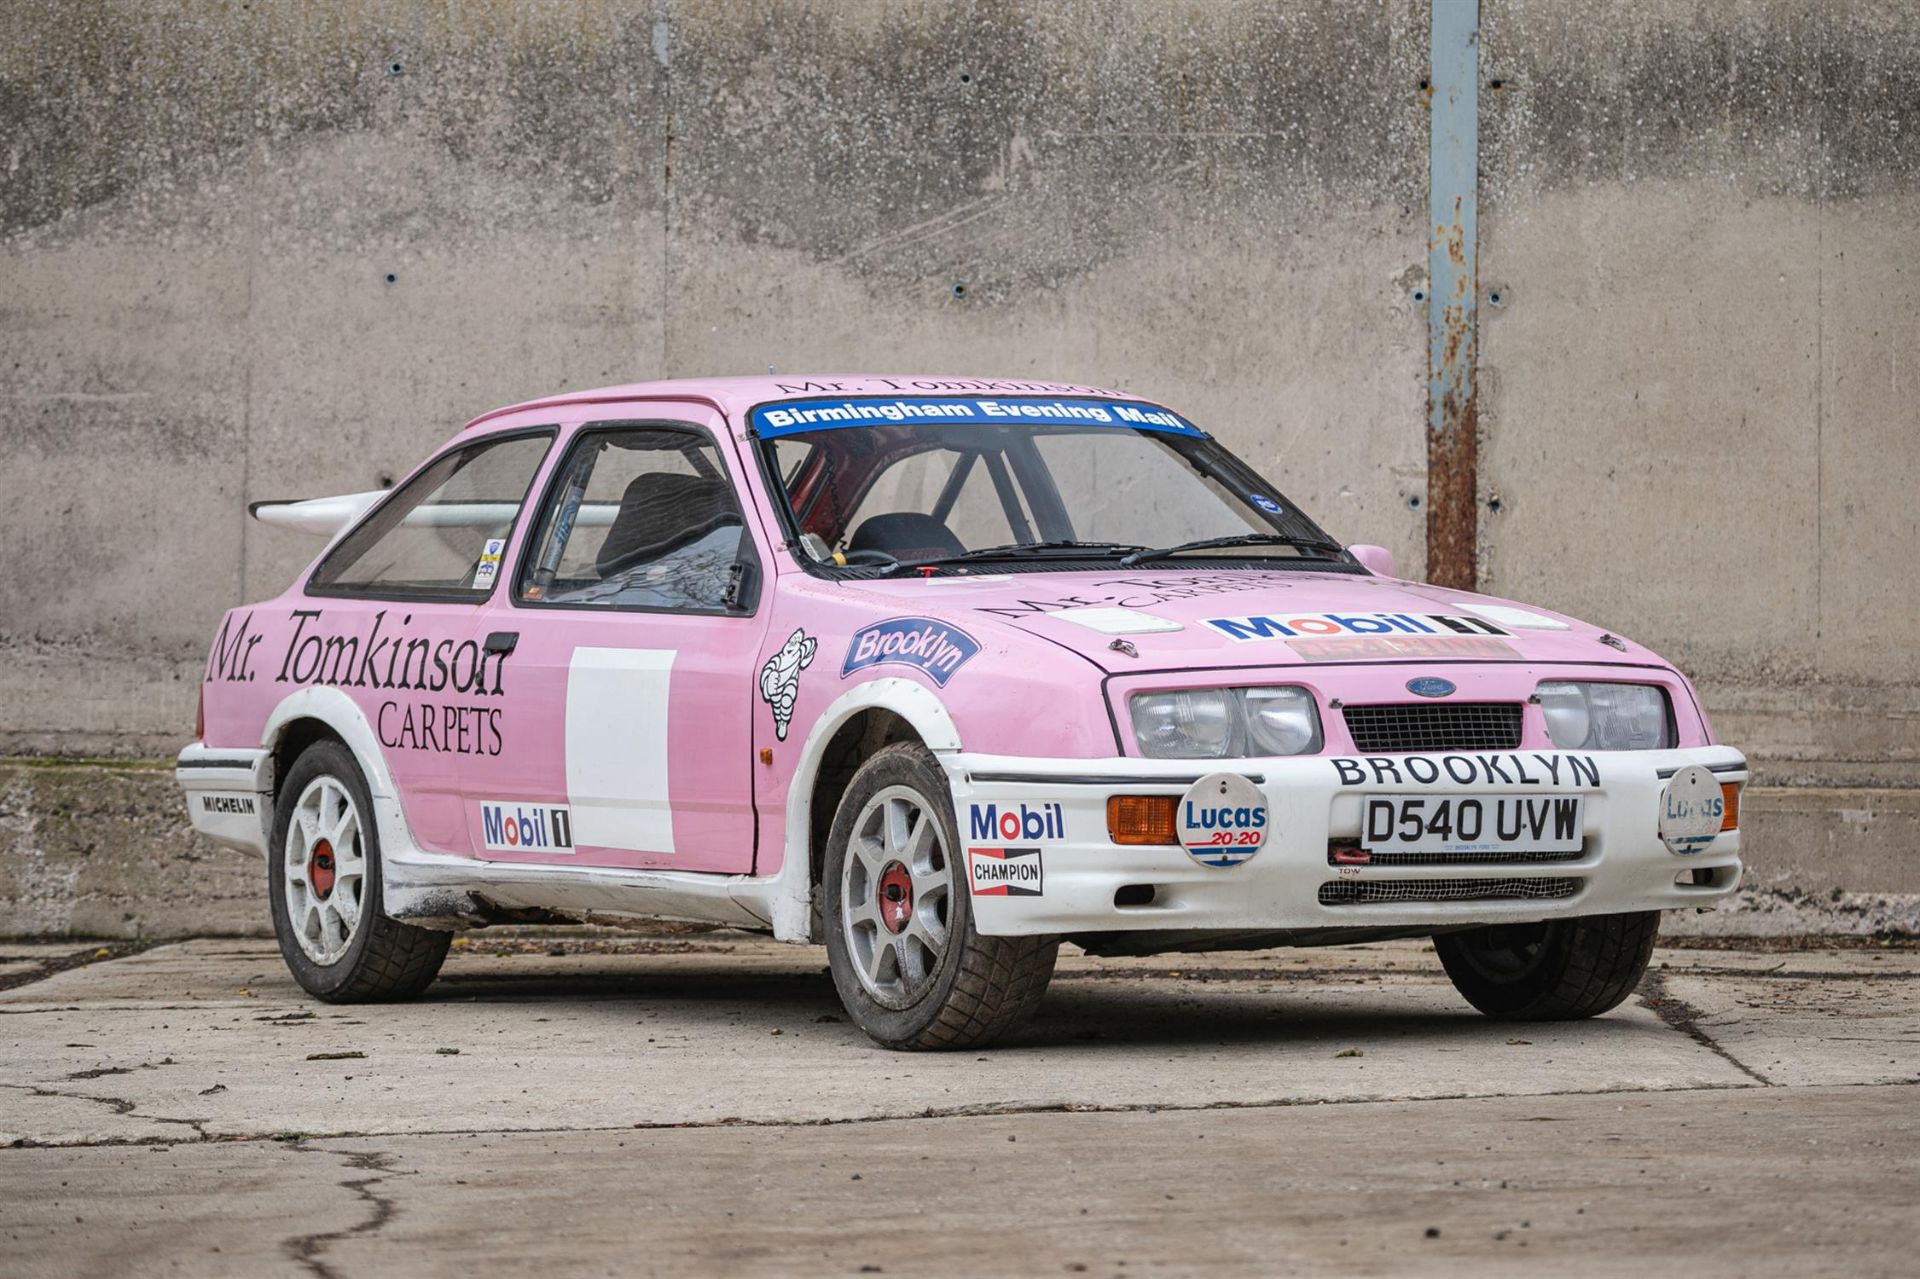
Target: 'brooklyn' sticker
<point>934,648</point>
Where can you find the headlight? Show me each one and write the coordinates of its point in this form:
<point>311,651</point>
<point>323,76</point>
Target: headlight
<point>1280,721</point>
<point>1224,723</point>
<point>1191,724</point>
<point>1606,717</point>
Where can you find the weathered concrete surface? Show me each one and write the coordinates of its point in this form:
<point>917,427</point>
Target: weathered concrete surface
<point>553,1042</point>
<point>107,851</point>
<point>201,218</point>
<point>104,850</point>
<point>1147,1122</point>
<point>752,1012</point>
<point>1699,419</point>
<point>1806,1183</point>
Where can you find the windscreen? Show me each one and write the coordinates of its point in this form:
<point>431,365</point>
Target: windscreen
<point>879,482</point>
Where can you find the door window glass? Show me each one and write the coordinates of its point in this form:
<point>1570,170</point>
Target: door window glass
<point>444,531</point>
<point>637,518</point>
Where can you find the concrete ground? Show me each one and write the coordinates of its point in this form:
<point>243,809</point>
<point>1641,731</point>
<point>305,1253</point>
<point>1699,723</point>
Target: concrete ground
<point>700,1105</point>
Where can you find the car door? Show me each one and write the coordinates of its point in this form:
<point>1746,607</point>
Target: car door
<point>389,619</point>
<point>632,624</point>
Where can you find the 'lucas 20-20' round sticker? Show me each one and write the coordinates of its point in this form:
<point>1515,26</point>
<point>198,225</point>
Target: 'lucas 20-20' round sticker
<point>1222,820</point>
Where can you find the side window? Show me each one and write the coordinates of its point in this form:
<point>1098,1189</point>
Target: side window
<point>444,531</point>
<point>642,517</point>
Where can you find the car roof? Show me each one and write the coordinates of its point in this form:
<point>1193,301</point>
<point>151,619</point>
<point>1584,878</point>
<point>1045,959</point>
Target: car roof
<point>733,396</point>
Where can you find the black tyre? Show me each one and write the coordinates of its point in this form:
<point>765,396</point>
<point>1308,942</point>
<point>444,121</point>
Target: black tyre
<point>1561,970</point>
<point>323,876</point>
<point>909,966</point>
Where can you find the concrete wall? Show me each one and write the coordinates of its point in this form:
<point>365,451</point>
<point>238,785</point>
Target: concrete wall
<point>1701,419</point>
<point>1217,202</point>
<point>280,250</point>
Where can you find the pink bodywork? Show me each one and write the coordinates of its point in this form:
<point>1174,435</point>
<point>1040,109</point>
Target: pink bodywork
<point>1040,684</point>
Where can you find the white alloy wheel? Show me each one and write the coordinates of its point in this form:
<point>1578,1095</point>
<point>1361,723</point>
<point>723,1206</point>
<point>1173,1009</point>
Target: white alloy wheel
<point>897,897</point>
<point>326,870</point>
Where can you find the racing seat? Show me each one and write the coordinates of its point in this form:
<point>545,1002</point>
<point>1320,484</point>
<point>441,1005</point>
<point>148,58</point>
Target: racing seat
<point>905,535</point>
<point>659,513</point>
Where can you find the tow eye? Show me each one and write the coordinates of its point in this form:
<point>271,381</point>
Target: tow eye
<point>322,869</point>
<point>895,897</point>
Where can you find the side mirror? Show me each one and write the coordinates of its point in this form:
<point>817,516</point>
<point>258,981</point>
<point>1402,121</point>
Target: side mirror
<point>1377,560</point>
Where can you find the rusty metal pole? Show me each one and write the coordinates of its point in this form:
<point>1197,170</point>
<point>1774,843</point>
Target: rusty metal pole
<point>1453,180</point>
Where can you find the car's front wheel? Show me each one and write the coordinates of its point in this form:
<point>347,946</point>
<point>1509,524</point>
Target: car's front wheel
<point>323,876</point>
<point>1557,970</point>
<point>901,944</point>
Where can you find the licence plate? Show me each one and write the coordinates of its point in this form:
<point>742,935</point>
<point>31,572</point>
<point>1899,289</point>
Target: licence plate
<point>1472,823</point>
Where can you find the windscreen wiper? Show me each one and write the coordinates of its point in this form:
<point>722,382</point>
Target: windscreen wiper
<point>1059,549</point>
<point>1241,539</point>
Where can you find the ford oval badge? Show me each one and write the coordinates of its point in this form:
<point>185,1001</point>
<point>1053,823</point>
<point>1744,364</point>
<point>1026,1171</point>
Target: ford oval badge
<point>1429,686</point>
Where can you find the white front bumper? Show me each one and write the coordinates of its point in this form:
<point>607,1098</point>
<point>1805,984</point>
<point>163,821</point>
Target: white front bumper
<point>1622,866</point>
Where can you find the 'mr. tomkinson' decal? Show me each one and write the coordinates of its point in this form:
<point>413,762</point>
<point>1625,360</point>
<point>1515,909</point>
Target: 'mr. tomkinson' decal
<point>1144,590</point>
<point>383,656</point>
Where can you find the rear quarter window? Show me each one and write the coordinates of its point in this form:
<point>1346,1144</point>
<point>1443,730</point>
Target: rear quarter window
<point>443,533</point>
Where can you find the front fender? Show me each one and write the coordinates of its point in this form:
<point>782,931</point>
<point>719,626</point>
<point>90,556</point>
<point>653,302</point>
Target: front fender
<point>791,903</point>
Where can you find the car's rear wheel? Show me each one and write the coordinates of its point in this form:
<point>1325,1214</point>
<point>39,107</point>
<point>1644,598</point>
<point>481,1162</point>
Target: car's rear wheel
<point>1557,970</point>
<point>909,966</point>
<point>323,876</point>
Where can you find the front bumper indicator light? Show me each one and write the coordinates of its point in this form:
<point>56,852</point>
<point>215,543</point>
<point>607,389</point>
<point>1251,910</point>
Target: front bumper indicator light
<point>1730,792</point>
<point>1142,819</point>
<point>1226,723</point>
<point>1599,716</point>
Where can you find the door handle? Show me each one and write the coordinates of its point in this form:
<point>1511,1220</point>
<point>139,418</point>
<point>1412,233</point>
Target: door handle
<point>501,642</point>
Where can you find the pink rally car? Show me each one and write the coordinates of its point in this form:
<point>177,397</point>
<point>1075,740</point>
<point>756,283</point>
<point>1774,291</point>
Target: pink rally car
<point>940,672</point>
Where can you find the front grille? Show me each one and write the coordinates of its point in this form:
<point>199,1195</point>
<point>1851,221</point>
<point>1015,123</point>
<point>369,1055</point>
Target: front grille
<point>1458,726</point>
<point>1366,892</point>
<point>1350,855</point>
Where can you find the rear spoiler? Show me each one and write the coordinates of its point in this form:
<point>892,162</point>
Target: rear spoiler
<point>325,516</point>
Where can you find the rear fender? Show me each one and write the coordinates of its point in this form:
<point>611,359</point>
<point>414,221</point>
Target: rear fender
<point>344,717</point>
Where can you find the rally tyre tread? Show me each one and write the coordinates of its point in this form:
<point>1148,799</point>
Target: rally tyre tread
<point>1592,963</point>
<point>1001,982</point>
<point>396,966</point>
<point>388,960</point>
<point>991,985</point>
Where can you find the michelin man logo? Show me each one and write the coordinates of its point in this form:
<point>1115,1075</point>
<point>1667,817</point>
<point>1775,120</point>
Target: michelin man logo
<point>780,678</point>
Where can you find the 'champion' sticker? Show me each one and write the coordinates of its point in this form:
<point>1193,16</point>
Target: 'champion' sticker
<point>1007,872</point>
